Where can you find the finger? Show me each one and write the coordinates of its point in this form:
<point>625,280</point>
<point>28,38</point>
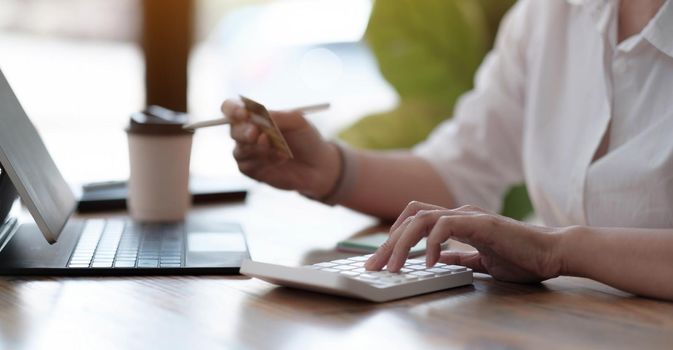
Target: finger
<point>475,229</point>
<point>265,155</point>
<point>421,224</point>
<point>470,228</point>
<point>439,234</point>
<point>248,152</point>
<point>245,133</point>
<point>289,120</point>
<point>470,260</point>
<point>250,167</point>
<point>229,106</point>
<point>382,254</point>
<point>272,153</point>
<point>264,141</point>
<point>234,110</point>
<point>243,152</point>
<point>260,169</point>
<point>471,208</point>
<point>411,209</point>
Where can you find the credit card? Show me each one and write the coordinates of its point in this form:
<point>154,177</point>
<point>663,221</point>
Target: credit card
<point>260,116</point>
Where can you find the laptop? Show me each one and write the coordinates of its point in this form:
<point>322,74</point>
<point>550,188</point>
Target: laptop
<point>57,244</point>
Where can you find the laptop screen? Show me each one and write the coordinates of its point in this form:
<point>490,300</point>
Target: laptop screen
<point>34,174</point>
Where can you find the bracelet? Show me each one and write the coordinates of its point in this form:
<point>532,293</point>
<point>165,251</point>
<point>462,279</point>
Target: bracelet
<point>347,176</point>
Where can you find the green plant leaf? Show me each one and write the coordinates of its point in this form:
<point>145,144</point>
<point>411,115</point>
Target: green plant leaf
<point>403,127</point>
<point>429,51</point>
<point>419,44</point>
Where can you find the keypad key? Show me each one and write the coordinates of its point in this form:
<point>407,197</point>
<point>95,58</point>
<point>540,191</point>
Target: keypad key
<point>391,279</point>
<point>415,261</point>
<point>410,277</point>
<point>439,271</point>
<point>422,274</point>
<point>456,268</point>
<point>359,258</point>
<point>342,261</point>
<point>349,273</point>
<point>380,273</point>
<point>325,264</point>
<point>368,276</point>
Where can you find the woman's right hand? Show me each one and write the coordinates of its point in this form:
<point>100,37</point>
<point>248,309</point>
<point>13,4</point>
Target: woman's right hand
<point>316,164</point>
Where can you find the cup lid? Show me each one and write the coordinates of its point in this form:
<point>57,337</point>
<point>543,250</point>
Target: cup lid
<point>156,120</point>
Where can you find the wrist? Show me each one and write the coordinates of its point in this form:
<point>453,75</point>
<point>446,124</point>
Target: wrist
<point>340,180</point>
<point>570,240</point>
<point>327,173</point>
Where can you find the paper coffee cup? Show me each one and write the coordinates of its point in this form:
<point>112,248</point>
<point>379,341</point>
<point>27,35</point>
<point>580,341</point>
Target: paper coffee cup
<point>159,155</point>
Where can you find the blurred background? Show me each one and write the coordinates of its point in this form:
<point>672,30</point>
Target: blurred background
<point>392,69</point>
<point>78,67</point>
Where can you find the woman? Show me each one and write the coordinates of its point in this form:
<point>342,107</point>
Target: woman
<point>575,100</point>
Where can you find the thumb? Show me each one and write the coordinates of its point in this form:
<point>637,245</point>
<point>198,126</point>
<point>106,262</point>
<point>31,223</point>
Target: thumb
<point>471,260</point>
<point>289,121</point>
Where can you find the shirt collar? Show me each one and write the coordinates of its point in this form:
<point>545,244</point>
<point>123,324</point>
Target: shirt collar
<point>658,31</point>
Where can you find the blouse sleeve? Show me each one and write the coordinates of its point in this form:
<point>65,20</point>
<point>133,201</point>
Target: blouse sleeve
<point>479,152</point>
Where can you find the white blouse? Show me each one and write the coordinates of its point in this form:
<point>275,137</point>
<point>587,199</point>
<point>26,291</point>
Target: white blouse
<point>554,84</point>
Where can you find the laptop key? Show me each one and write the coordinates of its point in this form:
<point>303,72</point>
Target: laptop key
<point>78,265</point>
<point>170,261</point>
<point>126,258</point>
<point>170,265</point>
<point>108,244</point>
<point>147,263</point>
<point>126,264</point>
<point>101,264</point>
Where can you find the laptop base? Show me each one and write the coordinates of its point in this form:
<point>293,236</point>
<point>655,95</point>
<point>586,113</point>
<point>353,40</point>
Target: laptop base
<point>209,249</point>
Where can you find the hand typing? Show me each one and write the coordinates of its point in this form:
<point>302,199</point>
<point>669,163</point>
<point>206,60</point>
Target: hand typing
<point>507,249</point>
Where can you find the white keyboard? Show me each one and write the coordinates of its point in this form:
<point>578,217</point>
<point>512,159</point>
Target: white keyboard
<point>347,277</point>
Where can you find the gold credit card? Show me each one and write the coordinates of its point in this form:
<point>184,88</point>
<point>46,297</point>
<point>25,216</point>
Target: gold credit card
<point>260,117</point>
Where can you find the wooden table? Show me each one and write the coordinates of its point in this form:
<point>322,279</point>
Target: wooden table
<point>237,312</point>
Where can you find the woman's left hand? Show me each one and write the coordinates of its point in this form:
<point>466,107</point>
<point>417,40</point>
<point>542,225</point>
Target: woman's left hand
<point>507,249</point>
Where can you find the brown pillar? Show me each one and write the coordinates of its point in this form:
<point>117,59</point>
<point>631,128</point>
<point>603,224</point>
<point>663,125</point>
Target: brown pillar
<point>167,32</point>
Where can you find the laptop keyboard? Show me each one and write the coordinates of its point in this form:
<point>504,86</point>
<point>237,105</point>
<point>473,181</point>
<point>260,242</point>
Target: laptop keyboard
<point>122,244</point>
